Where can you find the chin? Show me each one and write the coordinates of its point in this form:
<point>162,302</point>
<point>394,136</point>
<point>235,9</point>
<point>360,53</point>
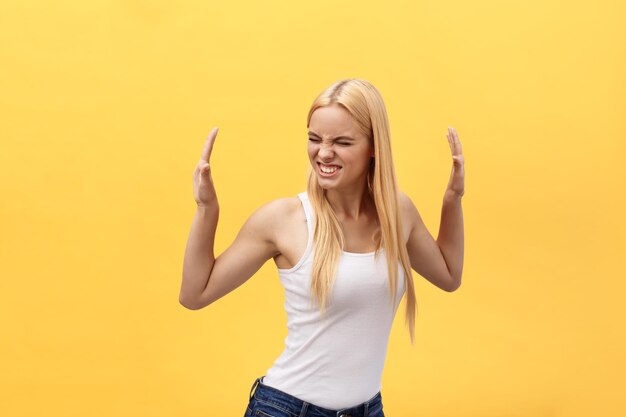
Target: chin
<point>326,186</point>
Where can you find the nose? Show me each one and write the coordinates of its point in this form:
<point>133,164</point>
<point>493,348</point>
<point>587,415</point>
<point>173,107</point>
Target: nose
<point>326,152</point>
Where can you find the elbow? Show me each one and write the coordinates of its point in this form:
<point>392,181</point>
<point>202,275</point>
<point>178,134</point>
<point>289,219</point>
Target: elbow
<point>188,304</point>
<point>455,284</point>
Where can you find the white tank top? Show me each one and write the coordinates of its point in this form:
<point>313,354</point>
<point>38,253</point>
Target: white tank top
<point>335,362</point>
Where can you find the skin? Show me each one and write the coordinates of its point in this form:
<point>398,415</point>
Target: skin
<point>277,230</point>
<point>335,139</point>
<point>329,130</point>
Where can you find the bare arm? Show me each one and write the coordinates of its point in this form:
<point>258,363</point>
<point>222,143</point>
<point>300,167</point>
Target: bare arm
<point>451,235</point>
<point>207,279</point>
<point>199,257</point>
<point>451,238</point>
<point>424,252</point>
<point>440,261</point>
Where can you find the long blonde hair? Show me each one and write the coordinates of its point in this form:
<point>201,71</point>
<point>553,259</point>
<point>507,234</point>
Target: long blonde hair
<point>363,101</point>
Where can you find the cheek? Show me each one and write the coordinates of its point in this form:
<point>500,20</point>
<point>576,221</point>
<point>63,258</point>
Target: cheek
<point>357,159</point>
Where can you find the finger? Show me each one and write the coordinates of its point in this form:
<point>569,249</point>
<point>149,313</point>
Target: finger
<point>457,142</point>
<point>450,141</point>
<point>208,145</point>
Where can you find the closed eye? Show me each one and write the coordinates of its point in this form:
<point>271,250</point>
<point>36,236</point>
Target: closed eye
<point>339,143</point>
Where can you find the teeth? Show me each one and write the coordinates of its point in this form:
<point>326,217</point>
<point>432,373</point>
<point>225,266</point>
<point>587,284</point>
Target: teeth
<point>328,170</point>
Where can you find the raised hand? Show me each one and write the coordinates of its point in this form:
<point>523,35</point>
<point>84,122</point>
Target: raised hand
<point>203,189</point>
<point>457,177</point>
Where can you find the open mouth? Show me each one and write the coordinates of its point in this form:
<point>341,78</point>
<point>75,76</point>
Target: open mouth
<point>328,170</point>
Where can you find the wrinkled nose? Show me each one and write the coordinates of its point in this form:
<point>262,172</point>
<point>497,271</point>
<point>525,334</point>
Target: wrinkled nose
<point>326,153</point>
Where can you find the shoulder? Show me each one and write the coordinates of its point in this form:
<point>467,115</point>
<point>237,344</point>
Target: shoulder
<point>405,203</point>
<point>279,207</point>
<point>407,209</point>
<point>272,214</point>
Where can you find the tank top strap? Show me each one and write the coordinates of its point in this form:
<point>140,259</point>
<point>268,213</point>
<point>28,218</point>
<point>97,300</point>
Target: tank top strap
<point>308,212</point>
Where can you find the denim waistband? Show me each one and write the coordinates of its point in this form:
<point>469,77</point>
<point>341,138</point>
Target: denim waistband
<point>300,407</point>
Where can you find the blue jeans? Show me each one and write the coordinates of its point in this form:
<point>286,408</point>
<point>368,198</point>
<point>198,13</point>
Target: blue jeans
<point>270,402</point>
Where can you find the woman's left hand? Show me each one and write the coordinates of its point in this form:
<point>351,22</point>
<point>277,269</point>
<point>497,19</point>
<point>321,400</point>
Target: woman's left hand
<point>457,177</point>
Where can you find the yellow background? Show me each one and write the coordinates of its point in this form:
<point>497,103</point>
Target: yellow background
<point>105,106</point>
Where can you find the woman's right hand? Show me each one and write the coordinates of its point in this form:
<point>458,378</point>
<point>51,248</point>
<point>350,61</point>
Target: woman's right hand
<point>203,189</point>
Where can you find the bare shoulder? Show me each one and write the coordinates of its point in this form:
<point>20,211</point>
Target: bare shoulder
<point>407,207</point>
<point>270,216</point>
<point>409,213</point>
<point>278,208</point>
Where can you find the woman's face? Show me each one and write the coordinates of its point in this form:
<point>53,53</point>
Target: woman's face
<point>339,152</point>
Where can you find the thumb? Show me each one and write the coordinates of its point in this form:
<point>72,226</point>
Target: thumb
<point>206,169</point>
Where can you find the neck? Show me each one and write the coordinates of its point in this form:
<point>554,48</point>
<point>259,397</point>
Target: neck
<point>350,204</point>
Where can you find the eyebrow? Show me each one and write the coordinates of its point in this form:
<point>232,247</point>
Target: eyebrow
<point>336,138</point>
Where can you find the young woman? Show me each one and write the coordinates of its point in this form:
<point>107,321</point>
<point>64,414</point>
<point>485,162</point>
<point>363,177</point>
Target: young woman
<point>344,250</point>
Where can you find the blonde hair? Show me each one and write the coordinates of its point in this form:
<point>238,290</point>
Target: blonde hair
<point>363,101</point>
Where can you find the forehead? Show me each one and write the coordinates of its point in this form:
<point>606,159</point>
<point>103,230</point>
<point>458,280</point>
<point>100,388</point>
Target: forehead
<point>332,120</point>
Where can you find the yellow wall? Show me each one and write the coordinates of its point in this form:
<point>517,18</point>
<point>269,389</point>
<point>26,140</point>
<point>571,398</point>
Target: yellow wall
<point>105,106</point>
